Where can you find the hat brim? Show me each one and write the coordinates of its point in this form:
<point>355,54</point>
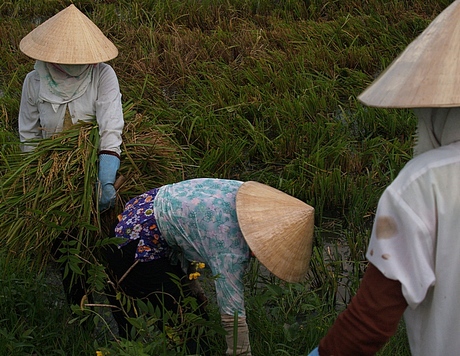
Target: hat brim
<point>425,74</point>
<point>278,229</point>
<point>69,37</point>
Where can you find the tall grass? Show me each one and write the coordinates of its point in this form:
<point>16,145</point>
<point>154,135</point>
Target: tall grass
<point>34,315</point>
<point>253,90</point>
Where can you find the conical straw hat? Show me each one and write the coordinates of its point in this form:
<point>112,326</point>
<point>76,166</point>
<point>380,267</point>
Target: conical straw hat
<point>278,228</point>
<point>69,37</point>
<point>427,73</point>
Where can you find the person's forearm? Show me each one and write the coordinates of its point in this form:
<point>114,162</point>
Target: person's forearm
<point>370,319</point>
<point>109,111</point>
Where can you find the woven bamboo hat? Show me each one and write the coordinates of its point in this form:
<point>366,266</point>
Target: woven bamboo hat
<point>69,37</point>
<point>277,227</point>
<point>427,73</point>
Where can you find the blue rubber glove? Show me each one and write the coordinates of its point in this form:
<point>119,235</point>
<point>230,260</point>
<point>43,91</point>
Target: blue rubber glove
<point>315,352</point>
<point>108,167</point>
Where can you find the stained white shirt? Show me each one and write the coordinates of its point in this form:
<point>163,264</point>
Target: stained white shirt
<point>101,103</point>
<point>416,240</point>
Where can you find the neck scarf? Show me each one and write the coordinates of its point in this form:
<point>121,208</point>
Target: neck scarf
<point>60,84</point>
<point>436,127</point>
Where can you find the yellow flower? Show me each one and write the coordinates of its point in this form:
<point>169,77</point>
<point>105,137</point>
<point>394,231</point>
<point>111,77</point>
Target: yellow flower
<point>99,353</point>
<point>198,265</point>
<point>194,275</point>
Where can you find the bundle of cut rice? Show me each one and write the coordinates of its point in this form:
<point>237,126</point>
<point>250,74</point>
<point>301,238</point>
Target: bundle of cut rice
<point>48,195</point>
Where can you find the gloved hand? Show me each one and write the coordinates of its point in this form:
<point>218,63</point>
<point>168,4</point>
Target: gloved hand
<point>108,167</point>
<point>243,346</point>
<point>314,352</point>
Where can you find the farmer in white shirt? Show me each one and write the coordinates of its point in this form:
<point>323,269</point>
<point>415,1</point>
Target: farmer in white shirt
<point>414,250</point>
<point>70,83</point>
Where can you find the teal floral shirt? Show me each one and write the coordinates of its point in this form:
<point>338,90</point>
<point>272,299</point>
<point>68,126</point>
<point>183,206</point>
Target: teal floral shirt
<point>198,218</point>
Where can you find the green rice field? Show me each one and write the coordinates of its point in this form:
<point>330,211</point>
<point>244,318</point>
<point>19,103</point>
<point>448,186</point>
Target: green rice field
<point>262,90</point>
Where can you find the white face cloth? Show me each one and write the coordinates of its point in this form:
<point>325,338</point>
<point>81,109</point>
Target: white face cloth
<point>73,70</point>
<point>61,83</point>
<point>436,127</point>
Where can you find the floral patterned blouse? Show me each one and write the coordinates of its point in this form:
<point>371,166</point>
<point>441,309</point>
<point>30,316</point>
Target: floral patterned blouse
<point>138,222</point>
<point>197,219</point>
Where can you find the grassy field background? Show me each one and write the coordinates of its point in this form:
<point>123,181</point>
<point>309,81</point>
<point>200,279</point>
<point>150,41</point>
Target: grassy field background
<point>259,90</point>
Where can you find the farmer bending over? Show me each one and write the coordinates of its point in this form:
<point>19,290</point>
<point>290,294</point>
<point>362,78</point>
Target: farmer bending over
<point>217,222</point>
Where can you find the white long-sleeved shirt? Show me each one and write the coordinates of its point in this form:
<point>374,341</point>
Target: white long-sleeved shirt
<point>416,240</point>
<point>101,102</point>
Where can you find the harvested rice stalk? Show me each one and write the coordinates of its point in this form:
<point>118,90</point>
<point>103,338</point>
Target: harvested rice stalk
<point>149,159</point>
<point>49,192</point>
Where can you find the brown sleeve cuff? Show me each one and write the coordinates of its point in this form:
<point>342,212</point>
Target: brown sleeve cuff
<point>370,319</point>
<point>105,152</point>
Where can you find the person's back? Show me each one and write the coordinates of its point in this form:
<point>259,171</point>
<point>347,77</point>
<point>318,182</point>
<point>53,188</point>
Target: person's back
<point>414,248</point>
<point>416,240</point>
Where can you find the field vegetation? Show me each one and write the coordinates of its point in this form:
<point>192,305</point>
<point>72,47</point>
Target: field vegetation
<point>262,90</point>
